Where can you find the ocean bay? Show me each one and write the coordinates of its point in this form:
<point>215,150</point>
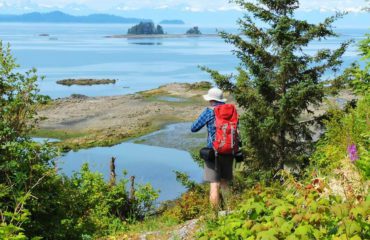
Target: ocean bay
<point>83,51</point>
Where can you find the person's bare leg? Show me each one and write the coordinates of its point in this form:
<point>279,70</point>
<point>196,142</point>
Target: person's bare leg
<point>214,195</point>
<point>224,185</point>
<point>225,193</point>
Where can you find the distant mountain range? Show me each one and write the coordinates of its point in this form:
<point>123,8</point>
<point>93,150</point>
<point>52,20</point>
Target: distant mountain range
<point>219,19</point>
<point>60,17</point>
<point>175,21</point>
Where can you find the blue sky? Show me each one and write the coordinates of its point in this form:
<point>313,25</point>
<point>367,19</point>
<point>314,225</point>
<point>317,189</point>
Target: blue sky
<point>191,11</point>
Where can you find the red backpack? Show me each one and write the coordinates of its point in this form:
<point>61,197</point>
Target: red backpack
<point>226,122</point>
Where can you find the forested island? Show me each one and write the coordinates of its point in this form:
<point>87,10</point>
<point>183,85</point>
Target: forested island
<point>150,30</point>
<point>193,31</point>
<point>145,28</point>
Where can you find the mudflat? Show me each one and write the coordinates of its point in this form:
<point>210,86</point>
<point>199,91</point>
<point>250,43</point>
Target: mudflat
<point>81,121</point>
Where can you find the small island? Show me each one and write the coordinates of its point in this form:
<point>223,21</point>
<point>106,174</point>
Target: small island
<point>193,31</point>
<point>145,28</point>
<point>174,22</point>
<point>85,82</point>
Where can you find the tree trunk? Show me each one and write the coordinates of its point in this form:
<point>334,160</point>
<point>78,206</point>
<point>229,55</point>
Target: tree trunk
<point>112,181</point>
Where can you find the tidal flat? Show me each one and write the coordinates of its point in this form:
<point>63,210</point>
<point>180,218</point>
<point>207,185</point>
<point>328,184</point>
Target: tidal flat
<point>84,122</point>
<point>106,121</point>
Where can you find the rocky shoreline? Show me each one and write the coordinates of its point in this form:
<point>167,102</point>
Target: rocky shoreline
<point>85,81</point>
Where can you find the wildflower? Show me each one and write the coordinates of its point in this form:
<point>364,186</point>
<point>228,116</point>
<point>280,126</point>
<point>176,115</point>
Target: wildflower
<point>352,152</point>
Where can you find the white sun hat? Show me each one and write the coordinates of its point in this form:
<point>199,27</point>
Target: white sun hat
<point>215,94</point>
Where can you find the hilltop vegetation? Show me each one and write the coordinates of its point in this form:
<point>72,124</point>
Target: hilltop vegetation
<point>194,30</point>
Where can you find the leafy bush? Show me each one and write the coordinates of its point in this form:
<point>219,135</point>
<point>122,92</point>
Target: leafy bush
<point>359,79</point>
<point>344,130</point>
<point>23,163</point>
<point>278,213</point>
<point>190,205</point>
<point>96,207</point>
<point>10,222</point>
<point>83,205</point>
<point>34,199</point>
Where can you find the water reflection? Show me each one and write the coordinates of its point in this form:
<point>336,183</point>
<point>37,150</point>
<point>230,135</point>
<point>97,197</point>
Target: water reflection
<point>45,140</point>
<point>148,164</point>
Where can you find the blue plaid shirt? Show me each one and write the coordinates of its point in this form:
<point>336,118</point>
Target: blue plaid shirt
<point>207,117</point>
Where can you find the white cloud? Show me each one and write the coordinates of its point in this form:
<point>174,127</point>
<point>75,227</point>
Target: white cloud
<point>188,5</point>
<point>125,8</point>
<point>334,5</point>
<point>193,9</point>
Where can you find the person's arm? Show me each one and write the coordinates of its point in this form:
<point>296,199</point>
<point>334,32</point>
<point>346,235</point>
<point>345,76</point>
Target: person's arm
<point>201,121</point>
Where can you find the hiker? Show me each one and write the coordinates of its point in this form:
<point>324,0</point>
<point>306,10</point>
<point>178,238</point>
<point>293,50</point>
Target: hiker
<point>222,143</point>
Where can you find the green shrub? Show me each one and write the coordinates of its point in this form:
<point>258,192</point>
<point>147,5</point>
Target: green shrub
<point>23,163</point>
<point>86,205</point>
<point>342,131</point>
<point>34,199</point>
<point>190,205</point>
<point>278,213</point>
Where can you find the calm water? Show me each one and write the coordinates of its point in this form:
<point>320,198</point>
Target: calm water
<point>80,50</point>
<point>149,164</point>
<point>154,165</point>
<point>170,135</point>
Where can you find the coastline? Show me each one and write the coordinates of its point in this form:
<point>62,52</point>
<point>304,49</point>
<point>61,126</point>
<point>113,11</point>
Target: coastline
<point>106,121</point>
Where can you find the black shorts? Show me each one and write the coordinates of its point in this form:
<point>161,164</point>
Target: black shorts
<point>224,169</point>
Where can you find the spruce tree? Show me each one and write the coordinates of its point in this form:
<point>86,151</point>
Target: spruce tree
<point>277,81</point>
